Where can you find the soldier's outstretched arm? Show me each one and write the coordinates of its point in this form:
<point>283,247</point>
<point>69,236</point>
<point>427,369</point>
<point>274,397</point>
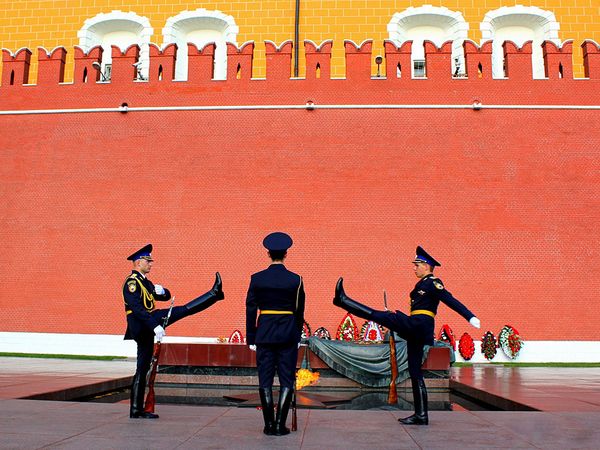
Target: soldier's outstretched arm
<point>448,299</point>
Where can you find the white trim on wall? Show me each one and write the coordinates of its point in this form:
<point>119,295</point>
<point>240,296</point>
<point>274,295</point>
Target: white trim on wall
<point>452,23</point>
<point>114,345</point>
<point>96,28</point>
<point>187,27</point>
<point>543,26</point>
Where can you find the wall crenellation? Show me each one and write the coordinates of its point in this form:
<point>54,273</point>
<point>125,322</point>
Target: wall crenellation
<point>359,61</point>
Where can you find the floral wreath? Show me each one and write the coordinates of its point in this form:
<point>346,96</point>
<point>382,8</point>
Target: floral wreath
<point>466,346</point>
<point>322,333</point>
<point>305,330</point>
<point>347,331</point>
<point>446,335</point>
<point>510,341</point>
<point>371,332</point>
<point>489,345</point>
<point>236,337</point>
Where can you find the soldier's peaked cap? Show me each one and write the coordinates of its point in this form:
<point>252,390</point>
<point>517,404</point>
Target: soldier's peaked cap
<point>278,241</point>
<point>424,257</point>
<point>144,252</point>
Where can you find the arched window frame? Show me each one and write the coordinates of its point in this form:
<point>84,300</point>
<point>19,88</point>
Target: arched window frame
<point>543,24</point>
<point>179,26</point>
<point>94,29</point>
<point>452,22</point>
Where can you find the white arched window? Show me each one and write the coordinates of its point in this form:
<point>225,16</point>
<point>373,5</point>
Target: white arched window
<point>120,29</point>
<point>433,24</point>
<point>200,27</point>
<point>519,24</point>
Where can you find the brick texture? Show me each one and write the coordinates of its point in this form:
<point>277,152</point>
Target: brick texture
<point>506,199</point>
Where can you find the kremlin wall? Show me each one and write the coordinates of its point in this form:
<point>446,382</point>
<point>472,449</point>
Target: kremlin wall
<point>497,177</point>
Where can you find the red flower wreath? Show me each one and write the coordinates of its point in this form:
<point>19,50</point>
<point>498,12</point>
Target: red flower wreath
<point>510,341</point>
<point>466,346</point>
<point>446,335</point>
<point>347,330</point>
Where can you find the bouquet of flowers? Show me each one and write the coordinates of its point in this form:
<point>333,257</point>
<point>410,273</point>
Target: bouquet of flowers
<point>466,347</point>
<point>510,341</point>
<point>446,335</point>
<point>489,345</point>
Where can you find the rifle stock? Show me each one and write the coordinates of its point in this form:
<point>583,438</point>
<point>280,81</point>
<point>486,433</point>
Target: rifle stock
<point>150,397</point>
<point>393,393</point>
<point>294,414</point>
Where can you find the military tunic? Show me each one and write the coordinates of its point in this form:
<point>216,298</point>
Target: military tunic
<point>139,297</point>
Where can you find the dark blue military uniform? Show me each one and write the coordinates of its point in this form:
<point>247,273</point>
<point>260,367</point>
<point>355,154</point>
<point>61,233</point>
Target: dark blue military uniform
<point>142,316</point>
<point>139,296</point>
<point>277,295</point>
<point>418,328</point>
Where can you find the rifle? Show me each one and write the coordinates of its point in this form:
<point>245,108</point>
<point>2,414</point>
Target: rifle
<point>392,393</point>
<point>294,414</point>
<point>305,365</point>
<point>150,398</point>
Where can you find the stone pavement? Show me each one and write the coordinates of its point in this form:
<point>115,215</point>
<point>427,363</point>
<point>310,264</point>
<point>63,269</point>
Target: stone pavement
<point>557,389</point>
<point>32,424</point>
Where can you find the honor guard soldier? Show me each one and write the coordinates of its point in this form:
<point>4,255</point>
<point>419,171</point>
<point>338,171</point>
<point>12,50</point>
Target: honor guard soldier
<point>144,321</point>
<point>277,296</point>
<point>417,328</point>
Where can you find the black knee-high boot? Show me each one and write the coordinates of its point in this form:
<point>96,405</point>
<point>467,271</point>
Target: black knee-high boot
<point>266,400</point>
<point>208,299</point>
<point>136,405</point>
<point>420,417</point>
<point>352,306</point>
<point>283,407</point>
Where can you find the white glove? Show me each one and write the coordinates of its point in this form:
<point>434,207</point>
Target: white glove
<point>158,289</point>
<point>252,347</point>
<point>475,322</point>
<point>159,332</point>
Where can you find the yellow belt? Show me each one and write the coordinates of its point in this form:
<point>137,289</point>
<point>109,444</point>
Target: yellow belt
<point>422,311</point>
<point>272,311</point>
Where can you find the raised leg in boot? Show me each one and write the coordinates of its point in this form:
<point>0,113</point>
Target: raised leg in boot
<point>420,417</point>
<point>266,401</point>
<point>283,407</point>
<point>208,299</point>
<point>136,408</point>
<point>352,306</point>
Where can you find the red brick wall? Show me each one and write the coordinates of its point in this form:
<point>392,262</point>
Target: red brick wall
<point>507,200</point>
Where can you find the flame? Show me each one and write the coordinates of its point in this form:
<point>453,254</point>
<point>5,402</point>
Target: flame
<point>305,377</point>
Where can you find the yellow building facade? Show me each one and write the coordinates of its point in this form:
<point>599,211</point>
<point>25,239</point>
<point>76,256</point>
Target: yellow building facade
<point>52,23</point>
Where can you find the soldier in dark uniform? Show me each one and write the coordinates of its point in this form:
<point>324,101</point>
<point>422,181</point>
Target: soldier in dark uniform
<point>279,295</point>
<point>417,328</point>
<point>144,321</point>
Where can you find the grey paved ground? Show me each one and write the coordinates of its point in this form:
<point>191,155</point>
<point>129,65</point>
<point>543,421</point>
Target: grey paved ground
<point>29,424</point>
